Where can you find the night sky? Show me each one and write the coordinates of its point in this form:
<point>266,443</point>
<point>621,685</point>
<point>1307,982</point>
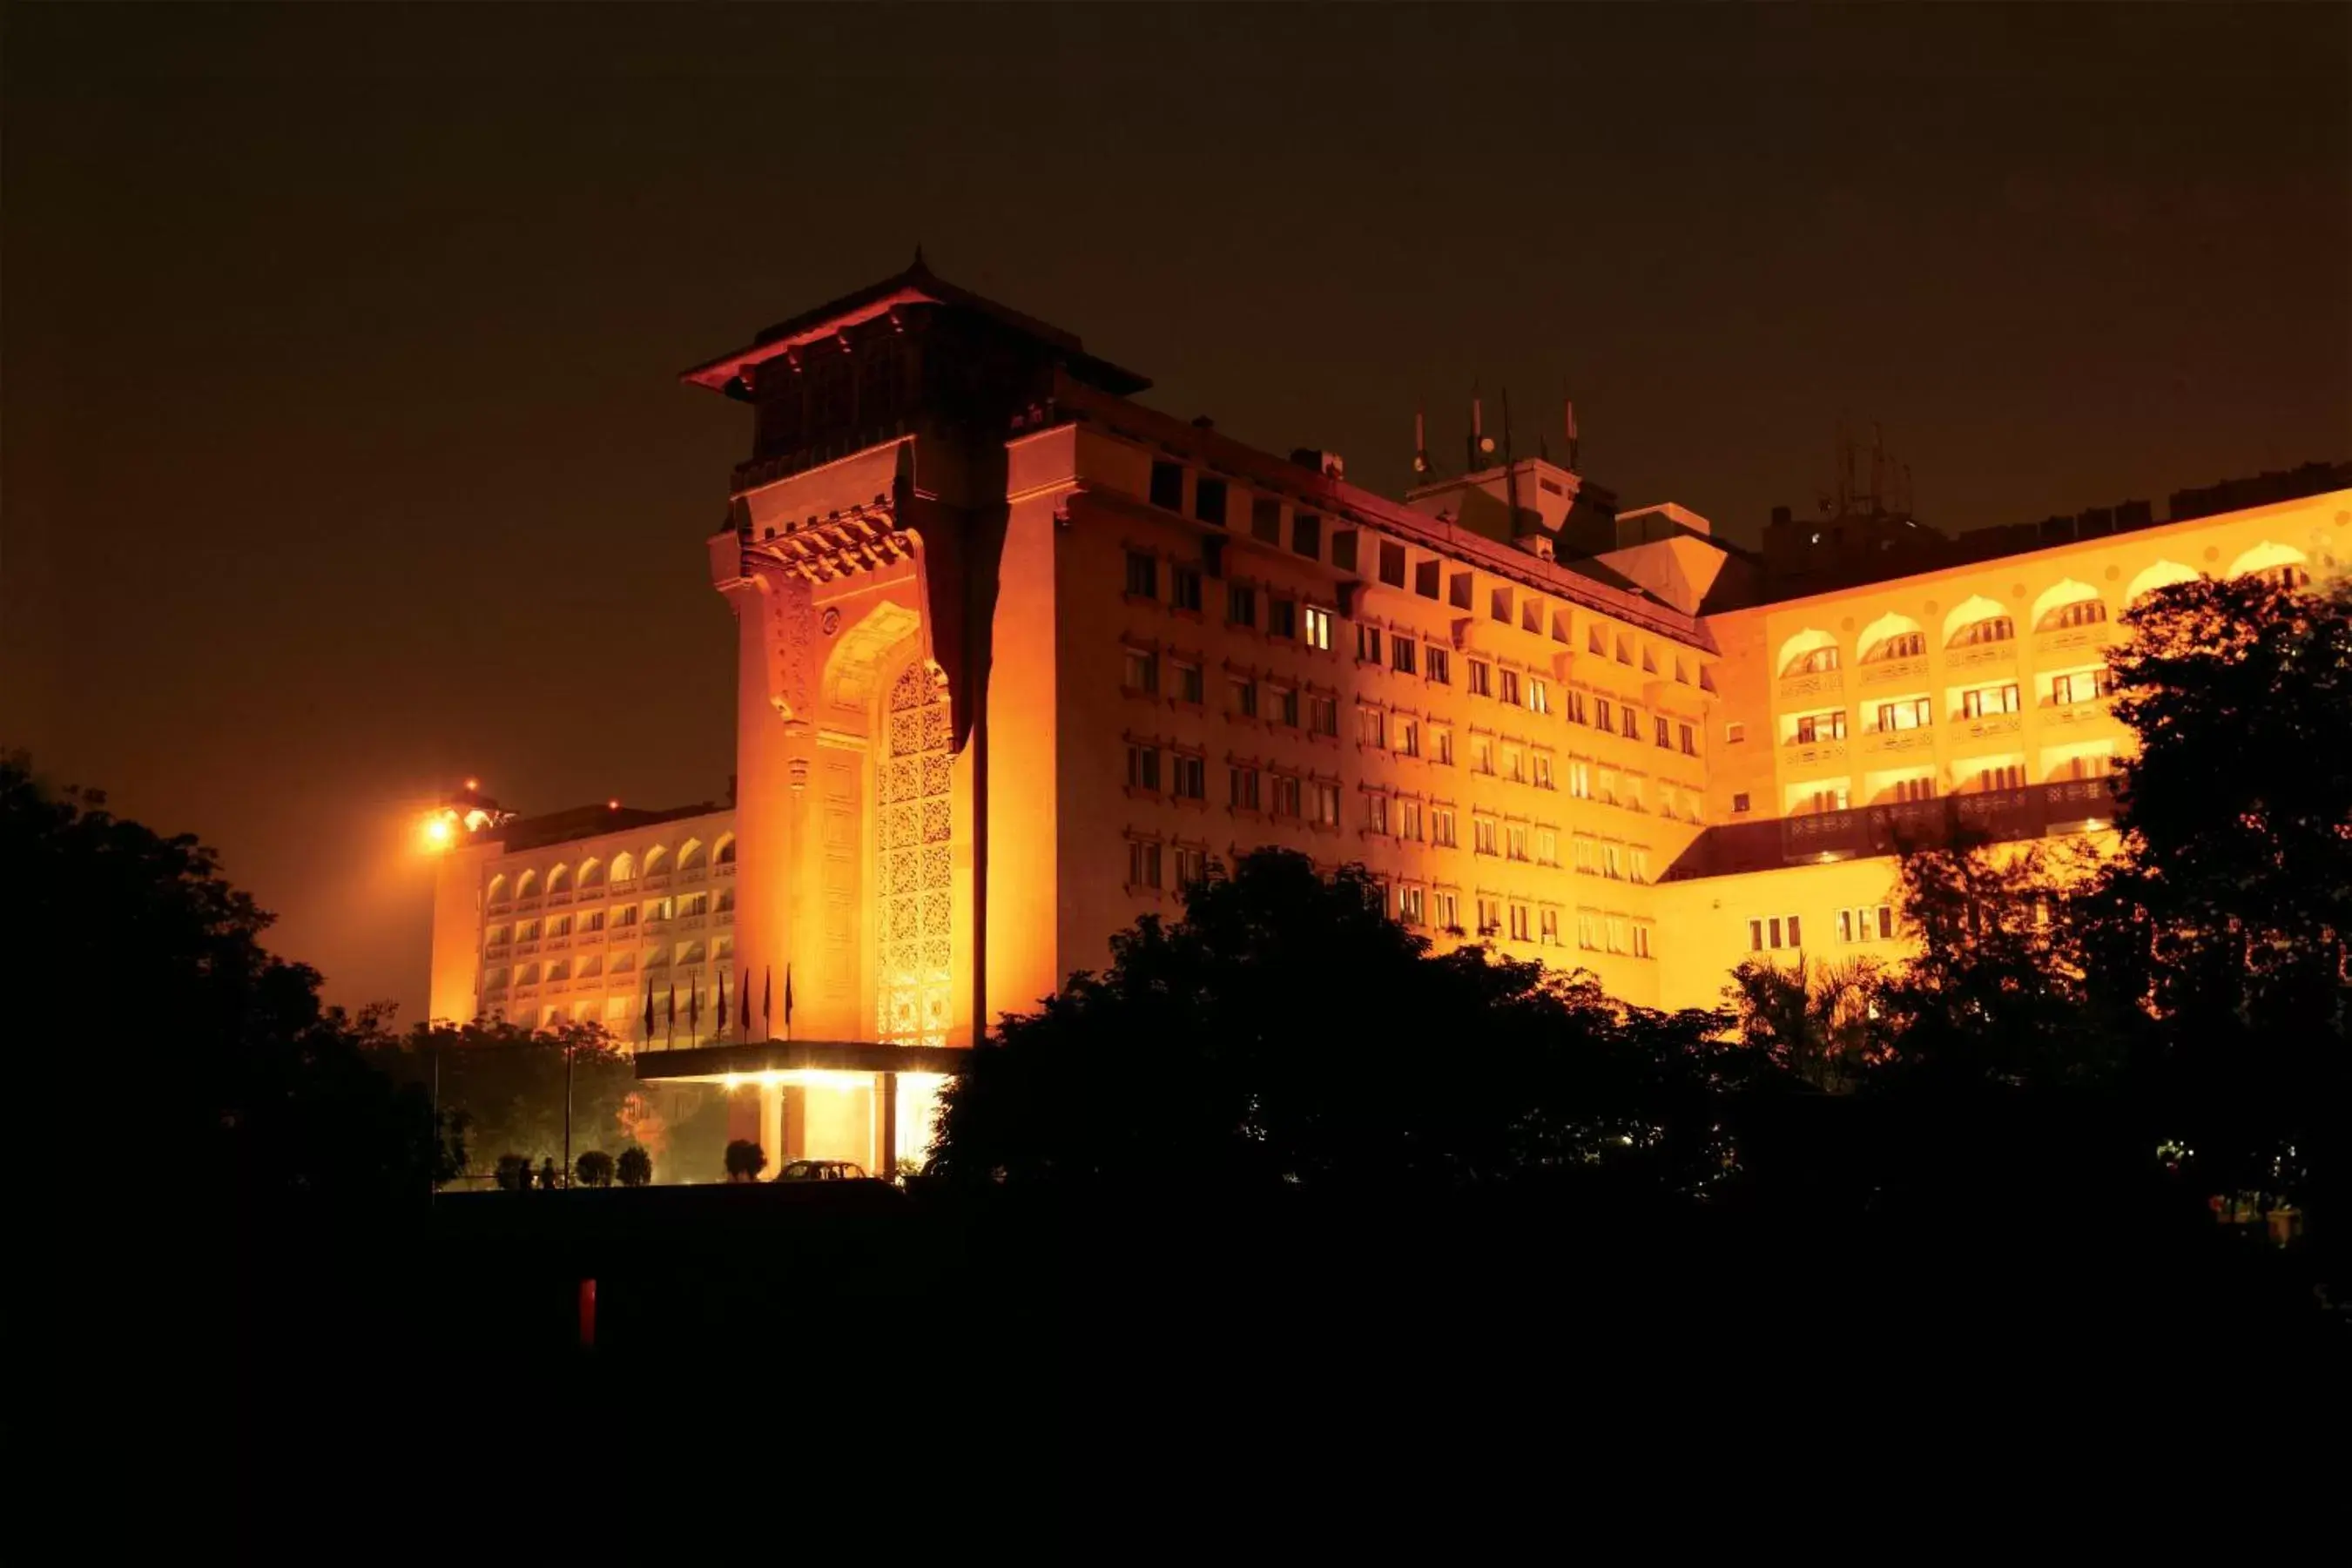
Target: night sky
<point>344,454</point>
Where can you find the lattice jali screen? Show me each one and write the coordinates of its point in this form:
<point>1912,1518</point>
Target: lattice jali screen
<point>912,989</point>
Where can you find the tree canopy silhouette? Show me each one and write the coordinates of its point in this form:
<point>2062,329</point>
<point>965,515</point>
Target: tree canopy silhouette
<point>1283,1030</point>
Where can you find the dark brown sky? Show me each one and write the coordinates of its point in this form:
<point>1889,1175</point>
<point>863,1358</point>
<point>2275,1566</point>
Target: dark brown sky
<point>343,454</point>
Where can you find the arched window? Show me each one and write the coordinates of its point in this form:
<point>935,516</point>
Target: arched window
<point>530,976</point>
<point>657,860</point>
<point>2283,565</point>
<point>527,884</point>
<point>625,867</point>
<point>690,854</point>
<point>689,952</point>
<point>495,979</point>
<point>1808,653</point>
<point>725,854</point>
<point>1892,637</point>
<point>726,899</point>
<point>559,878</point>
<point>1976,621</point>
<point>2069,603</point>
<point>2163,574</point>
<point>591,873</point>
<point>498,894</point>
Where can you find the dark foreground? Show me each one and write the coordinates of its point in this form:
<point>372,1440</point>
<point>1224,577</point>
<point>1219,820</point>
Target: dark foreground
<point>422,1386</point>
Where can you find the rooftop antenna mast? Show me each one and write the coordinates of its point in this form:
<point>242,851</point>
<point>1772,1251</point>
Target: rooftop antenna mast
<point>1570,405</point>
<point>1420,442</point>
<point>1510,473</point>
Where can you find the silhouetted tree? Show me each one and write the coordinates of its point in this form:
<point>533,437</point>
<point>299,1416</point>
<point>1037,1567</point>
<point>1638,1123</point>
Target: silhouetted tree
<point>1286,1030</point>
<point>507,1080</point>
<point>594,1168</point>
<point>745,1160</point>
<point>1820,1022</point>
<point>513,1173</point>
<point>635,1167</point>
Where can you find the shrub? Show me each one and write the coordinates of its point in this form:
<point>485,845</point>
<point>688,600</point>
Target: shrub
<point>745,1160</point>
<point>594,1169</point>
<point>636,1167</point>
<point>514,1173</point>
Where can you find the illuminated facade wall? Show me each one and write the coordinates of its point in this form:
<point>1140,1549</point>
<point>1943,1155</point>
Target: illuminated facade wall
<point>1008,679</point>
<point>577,929</point>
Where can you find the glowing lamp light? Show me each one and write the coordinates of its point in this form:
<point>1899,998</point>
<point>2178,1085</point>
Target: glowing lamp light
<point>438,831</point>
<point>612,805</point>
<point>472,785</point>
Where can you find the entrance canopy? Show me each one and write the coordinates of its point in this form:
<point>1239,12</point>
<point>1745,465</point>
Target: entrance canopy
<point>750,1062</point>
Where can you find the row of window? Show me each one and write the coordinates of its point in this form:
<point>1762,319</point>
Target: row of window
<point>684,954</point>
<point>594,872</point>
<point>619,916</point>
<point>1856,922</point>
<point>1918,712</point>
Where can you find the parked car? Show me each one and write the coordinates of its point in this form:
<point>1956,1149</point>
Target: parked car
<point>821,1170</point>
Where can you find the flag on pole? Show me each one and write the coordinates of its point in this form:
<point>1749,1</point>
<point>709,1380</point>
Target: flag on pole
<point>722,1003</point>
<point>743,997</point>
<point>670,1036</point>
<point>693,1009</point>
<point>650,1011</point>
<point>767,1001</point>
<point>788,1001</point>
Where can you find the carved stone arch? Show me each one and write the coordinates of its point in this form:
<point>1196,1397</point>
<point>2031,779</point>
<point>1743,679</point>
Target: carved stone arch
<point>853,670</point>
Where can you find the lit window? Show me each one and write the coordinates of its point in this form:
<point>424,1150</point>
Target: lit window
<point>1409,819</point>
<point>1408,737</point>
<point>1326,804</point>
<point>1815,728</point>
<point>1372,727</point>
<point>1538,695</point>
<point>1588,855</point>
<point>1409,905</point>
<point>1440,826</point>
<point>1482,679</point>
<point>1376,813</point>
<point>1448,907</point>
<point>1986,700</point>
<point>1543,770</point>
<point>1579,779</point>
<point>1440,745</point>
<point>1318,627</point>
<point>1911,713</point>
<point>1482,753</point>
<point>1490,917</point>
<point>1519,923</point>
<point>1774,933</point>
<point>1482,831</point>
<point>1515,842</point>
<point>1640,940</point>
<point>1547,928</point>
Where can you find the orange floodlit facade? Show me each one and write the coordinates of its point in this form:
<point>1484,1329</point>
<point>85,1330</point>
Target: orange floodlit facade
<point>1018,655</point>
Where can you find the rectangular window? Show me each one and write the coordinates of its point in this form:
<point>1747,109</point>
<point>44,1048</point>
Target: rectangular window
<point>1441,666</point>
<point>1318,627</point>
<point>1575,708</point>
<point>1514,841</point>
<point>1774,933</point>
<point>1282,617</point>
<point>1519,923</point>
<point>1241,697</point>
<point>1689,740</point>
<point>592,921</point>
<point>1142,672</point>
<point>1588,929</point>
<point>1188,684</point>
<point>1185,588</point>
<point>1586,855</point>
<point>2081,688</point>
<point>1284,705</point>
<point>1538,695</point>
<point>1402,654</point>
<point>1266,520</point>
<point>1448,907</point>
<point>1367,644</point>
<point>1833,799</point>
<point>1440,826</point>
<point>1739,803</point>
<point>1989,700</point>
<point>1607,793</point>
<point>1307,535</point>
<point>1637,862</point>
<point>1618,934</point>
<point>1543,770</point>
<point>1372,727</point>
<point>1733,734</point>
<point>1376,813</point>
<point>1392,564</point>
<point>1191,865</point>
<point>1409,905</point>
<point>1209,500</point>
<point>1663,731</point>
<point>1142,574</point>
<point>1191,776</point>
<point>1241,785</point>
<point>1632,727</point>
<point>1603,718</point>
<point>1490,917</point>
<point>1241,604</point>
<point>1867,923</point>
<point>1482,836</point>
<point>626,914</point>
<point>1640,940</point>
<point>1579,779</point>
<point>1409,819</point>
<point>1510,688</point>
<point>1547,927</point>
<point>1167,486</point>
<point>1514,764</point>
<point>1326,804</point>
<point>1408,737</point>
<point>1441,746</point>
<point>1914,788</point>
<point>1142,863</point>
<point>1819,727</point>
<point>1325,713</point>
<point>1482,754</point>
<point>1482,679</point>
<point>1612,861</point>
<point>2009,777</point>
<point>1285,796</point>
<point>1912,713</point>
<point>1143,767</point>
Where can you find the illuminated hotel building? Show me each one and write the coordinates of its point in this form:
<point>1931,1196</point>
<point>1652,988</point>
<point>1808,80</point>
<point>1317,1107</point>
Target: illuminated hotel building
<point>1018,656</point>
